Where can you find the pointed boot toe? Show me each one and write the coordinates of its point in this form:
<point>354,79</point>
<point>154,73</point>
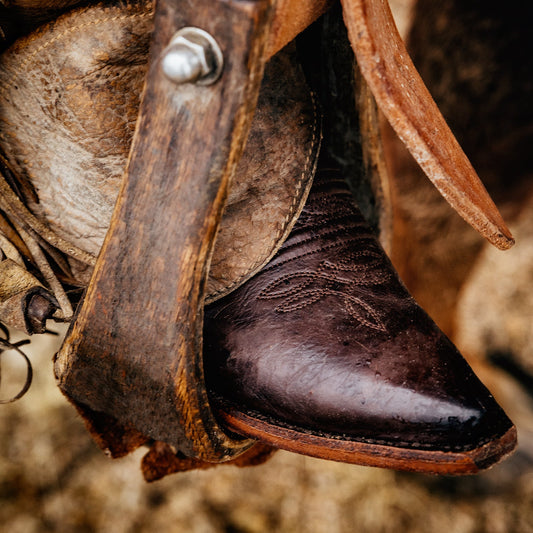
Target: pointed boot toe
<point>325,353</point>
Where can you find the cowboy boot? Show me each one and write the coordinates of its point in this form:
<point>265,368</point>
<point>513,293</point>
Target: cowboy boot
<point>325,353</point>
<point>321,350</point>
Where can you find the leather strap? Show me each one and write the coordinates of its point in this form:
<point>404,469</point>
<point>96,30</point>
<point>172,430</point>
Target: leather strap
<point>134,350</point>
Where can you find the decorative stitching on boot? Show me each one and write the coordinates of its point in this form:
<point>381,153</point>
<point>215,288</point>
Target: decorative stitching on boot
<point>280,262</point>
<point>297,291</point>
<point>302,295</point>
<point>340,278</point>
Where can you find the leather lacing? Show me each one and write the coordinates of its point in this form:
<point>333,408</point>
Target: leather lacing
<point>39,251</point>
<point>33,245</point>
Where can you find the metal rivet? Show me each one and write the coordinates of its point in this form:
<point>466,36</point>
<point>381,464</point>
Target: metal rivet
<point>192,56</point>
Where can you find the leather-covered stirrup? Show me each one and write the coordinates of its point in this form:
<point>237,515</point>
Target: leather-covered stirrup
<point>134,349</point>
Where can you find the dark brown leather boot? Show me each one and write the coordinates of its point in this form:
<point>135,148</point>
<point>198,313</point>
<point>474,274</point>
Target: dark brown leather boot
<point>325,353</point>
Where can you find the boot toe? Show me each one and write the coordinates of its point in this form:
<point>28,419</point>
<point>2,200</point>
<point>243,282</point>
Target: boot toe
<point>429,399</point>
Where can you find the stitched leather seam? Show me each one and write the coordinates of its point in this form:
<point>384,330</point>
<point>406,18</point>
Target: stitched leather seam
<point>290,304</point>
<point>302,299</point>
<point>332,209</point>
<point>344,437</point>
<point>348,267</point>
<point>328,234</point>
<point>305,222</point>
<point>270,291</point>
<point>339,234</point>
<point>315,250</point>
<point>69,31</point>
<point>378,324</point>
<point>301,295</point>
<point>273,294</point>
<point>292,209</point>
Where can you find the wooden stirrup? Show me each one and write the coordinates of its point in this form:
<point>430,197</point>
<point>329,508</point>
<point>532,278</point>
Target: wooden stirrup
<point>134,350</point>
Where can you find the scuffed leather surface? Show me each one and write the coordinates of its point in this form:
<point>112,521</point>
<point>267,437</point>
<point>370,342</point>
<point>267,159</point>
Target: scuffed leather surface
<point>273,178</point>
<point>69,95</point>
<point>19,17</point>
<point>68,100</point>
<point>163,460</point>
<point>326,339</point>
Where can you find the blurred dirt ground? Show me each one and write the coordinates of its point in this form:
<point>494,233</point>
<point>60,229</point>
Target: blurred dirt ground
<point>53,478</point>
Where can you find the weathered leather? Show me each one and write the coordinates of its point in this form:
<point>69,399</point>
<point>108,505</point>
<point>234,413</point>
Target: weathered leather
<point>69,97</point>
<point>162,460</point>
<point>19,17</point>
<point>18,291</point>
<point>326,339</point>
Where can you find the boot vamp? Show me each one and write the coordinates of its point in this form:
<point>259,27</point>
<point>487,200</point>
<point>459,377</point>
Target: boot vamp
<point>327,339</point>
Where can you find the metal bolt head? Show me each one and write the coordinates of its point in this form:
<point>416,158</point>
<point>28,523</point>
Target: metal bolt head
<point>192,56</point>
<point>184,62</point>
